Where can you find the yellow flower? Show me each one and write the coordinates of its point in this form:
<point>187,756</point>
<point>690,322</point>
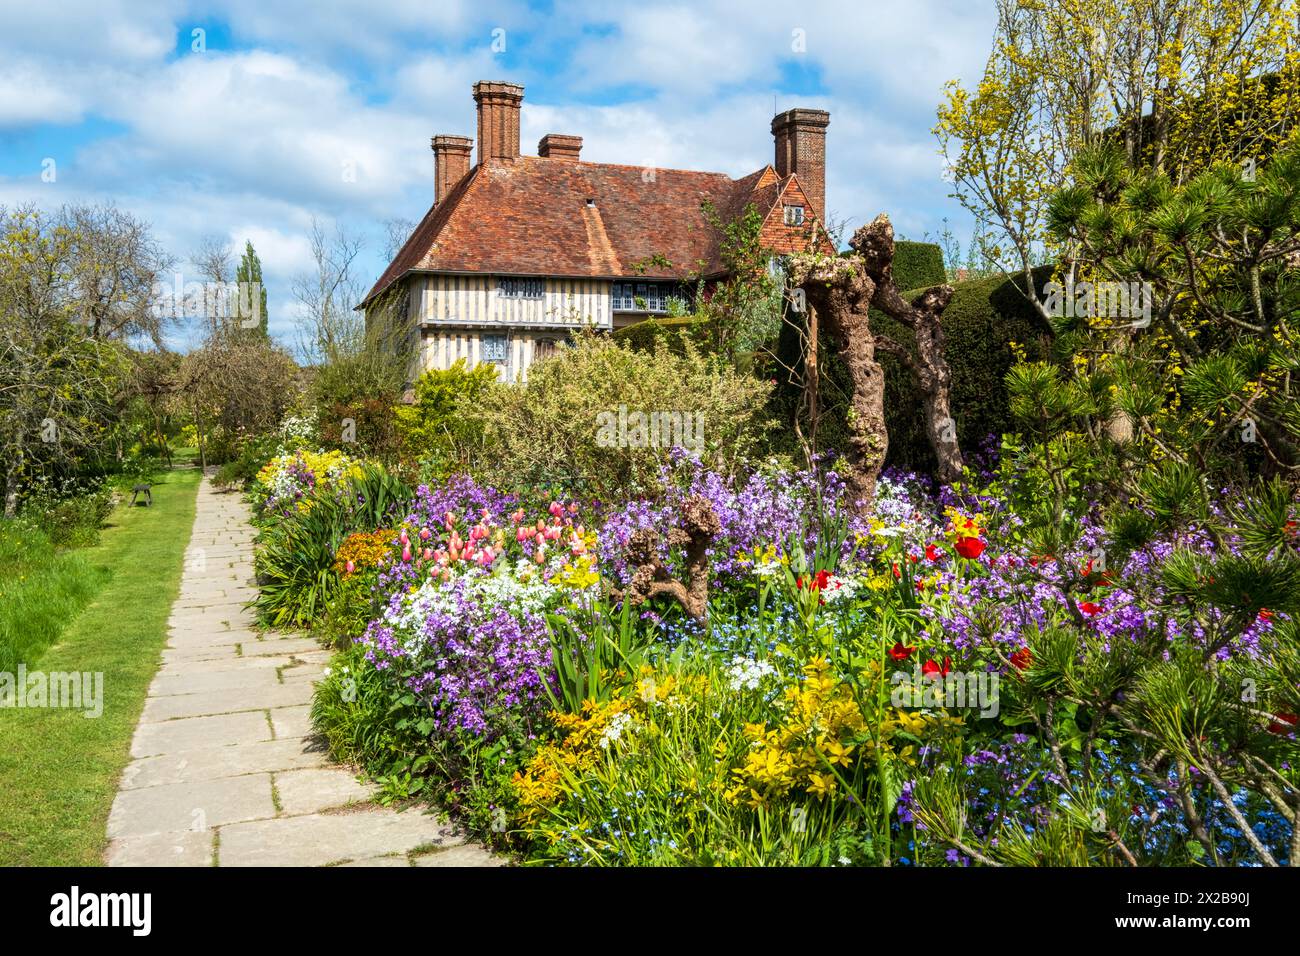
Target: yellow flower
<point>836,752</point>
<point>821,785</point>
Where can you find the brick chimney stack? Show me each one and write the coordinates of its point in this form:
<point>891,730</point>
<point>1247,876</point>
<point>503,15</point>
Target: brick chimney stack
<point>560,146</point>
<point>801,149</point>
<point>450,163</point>
<point>498,120</point>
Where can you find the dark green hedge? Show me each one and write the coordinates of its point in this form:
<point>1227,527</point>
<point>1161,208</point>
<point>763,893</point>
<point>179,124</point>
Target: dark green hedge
<point>917,265</point>
<point>983,319</point>
<point>675,329</point>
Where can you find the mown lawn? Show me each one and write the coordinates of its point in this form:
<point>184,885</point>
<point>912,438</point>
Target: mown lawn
<point>60,770</point>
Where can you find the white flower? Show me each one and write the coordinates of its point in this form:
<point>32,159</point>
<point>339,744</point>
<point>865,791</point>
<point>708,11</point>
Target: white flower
<point>839,589</point>
<point>744,674</point>
<point>614,730</point>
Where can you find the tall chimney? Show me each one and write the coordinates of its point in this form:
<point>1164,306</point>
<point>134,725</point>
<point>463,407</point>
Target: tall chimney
<point>801,149</point>
<point>498,120</point>
<point>560,146</point>
<point>450,163</point>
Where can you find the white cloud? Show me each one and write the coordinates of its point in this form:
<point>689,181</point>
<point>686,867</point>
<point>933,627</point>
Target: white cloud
<point>252,143</point>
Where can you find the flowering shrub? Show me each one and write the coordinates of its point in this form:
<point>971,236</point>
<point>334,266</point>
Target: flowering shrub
<point>288,482</point>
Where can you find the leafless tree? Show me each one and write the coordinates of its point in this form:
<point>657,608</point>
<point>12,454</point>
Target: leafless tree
<point>328,325</point>
<point>396,232</point>
<point>115,265</point>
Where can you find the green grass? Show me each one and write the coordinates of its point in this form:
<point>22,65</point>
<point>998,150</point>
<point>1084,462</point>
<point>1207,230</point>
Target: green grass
<point>61,770</point>
<point>40,589</point>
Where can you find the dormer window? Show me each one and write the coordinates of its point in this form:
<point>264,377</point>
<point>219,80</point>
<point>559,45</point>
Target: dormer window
<point>521,288</point>
<point>794,215</point>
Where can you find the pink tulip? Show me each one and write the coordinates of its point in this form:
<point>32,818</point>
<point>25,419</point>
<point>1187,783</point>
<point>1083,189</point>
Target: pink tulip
<point>428,553</point>
<point>522,535</point>
<point>406,554</point>
<point>425,534</point>
<point>541,525</point>
<point>517,516</point>
<point>556,509</point>
<point>540,556</point>
<point>350,567</point>
<point>403,537</point>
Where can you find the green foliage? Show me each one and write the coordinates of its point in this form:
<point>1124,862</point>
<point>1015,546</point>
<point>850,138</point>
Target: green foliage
<point>249,274</point>
<point>918,265</point>
<point>591,649</point>
<point>247,458</point>
<point>348,609</point>
<point>673,331</point>
<point>1203,377</point>
<point>295,555</point>
<point>563,424</point>
<point>443,426</point>
<point>72,515</point>
<point>988,325</point>
<point>743,311</point>
<point>365,721</point>
<point>40,590</point>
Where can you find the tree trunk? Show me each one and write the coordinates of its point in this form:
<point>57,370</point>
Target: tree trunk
<point>11,484</point>
<point>875,244</point>
<point>198,431</point>
<point>936,393</point>
<point>811,379</point>
<point>868,437</point>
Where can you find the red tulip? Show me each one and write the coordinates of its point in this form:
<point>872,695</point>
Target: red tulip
<point>930,668</point>
<point>1087,607</point>
<point>970,548</point>
<point>1265,614</point>
<point>900,653</point>
<point>1284,724</point>
<point>1022,658</point>
<point>931,553</point>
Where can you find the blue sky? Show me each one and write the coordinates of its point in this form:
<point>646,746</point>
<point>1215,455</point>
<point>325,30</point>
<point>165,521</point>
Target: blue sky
<point>243,129</point>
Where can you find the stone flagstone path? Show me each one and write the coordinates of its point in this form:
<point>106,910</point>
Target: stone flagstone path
<point>225,769</point>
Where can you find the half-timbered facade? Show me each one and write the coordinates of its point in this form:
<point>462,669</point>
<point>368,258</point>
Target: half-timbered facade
<point>519,251</point>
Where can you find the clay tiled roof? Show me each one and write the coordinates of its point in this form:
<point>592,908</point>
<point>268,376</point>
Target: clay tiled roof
<point>551,217</point>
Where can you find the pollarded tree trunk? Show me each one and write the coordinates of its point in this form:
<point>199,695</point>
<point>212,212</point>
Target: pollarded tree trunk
<point>840,291</point>
<point>874,243</point>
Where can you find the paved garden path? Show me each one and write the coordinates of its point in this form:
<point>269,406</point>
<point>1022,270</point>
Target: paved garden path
<point>225,770</point>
